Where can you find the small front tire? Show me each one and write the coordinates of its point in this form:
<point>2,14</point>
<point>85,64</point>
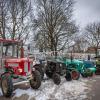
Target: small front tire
<point>68,76</point>
<point>56,78</point>
<point>36,81</point>
<point>75,74</point>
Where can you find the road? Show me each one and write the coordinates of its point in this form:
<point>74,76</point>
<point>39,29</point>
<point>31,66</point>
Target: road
<point>94,94</point>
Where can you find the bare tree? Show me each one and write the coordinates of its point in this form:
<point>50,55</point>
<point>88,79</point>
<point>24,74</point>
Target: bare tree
<point>53,24</point>
<point>93,35</point>
<point>3,17</point>
<point>19,22</point>
<point>15,19</point>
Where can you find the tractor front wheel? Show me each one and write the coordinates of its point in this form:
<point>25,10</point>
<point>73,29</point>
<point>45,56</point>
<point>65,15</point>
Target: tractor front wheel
<point>87,73</point>
<point>90,73</point>
<point>6,86</point>
<point>36,81</point>
<point>75,75</point>
<point>56,78</point>
<point>68,76</point>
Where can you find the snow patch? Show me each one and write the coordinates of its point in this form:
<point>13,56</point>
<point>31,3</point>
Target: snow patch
<point>65,91</point>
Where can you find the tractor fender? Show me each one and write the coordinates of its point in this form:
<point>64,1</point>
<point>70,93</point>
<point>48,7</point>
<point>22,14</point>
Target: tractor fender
<point>5,74</point>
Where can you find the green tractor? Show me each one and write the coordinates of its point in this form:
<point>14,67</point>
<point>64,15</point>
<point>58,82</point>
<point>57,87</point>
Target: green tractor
<point>85,68</point>
<point>54,69</point>
<point>69,68</point>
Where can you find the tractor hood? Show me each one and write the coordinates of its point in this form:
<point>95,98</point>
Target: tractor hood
<point>18,60</point>
<point>68,61</point>
<point>93,69</point>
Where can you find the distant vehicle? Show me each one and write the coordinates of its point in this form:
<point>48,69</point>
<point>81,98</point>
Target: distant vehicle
<point>90,65</point>
<point>97,65</point>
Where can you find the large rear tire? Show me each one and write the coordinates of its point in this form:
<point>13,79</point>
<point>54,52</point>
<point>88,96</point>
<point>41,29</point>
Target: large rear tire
<point>6,86</point>
<point>68,76</point>
<point>56,78</point>
<point>36,81</point>
<point>75,74</point>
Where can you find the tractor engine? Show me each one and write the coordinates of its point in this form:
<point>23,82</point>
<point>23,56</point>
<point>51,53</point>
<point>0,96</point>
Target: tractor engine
<point>19,66</point>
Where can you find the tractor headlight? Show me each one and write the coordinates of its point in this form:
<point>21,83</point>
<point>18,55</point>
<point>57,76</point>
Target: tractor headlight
<point>20,70</point>
<point>33,69</point>
<point>94,65</point>
<point>34,63</point>
<point>61,65</point>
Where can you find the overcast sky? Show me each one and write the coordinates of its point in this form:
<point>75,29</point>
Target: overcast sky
<point>86,11</point>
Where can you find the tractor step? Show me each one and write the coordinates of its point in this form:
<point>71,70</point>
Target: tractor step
<point>22,82</point>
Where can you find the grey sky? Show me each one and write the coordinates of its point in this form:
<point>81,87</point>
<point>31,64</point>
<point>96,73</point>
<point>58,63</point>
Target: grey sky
<point>86,11</point>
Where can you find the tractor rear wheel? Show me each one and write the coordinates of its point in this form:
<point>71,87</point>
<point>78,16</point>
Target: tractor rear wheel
<point>36,81</point>
<point>75,74</point>
<point>68,76</point>
<point>56,78</point>
<point>6,86</point>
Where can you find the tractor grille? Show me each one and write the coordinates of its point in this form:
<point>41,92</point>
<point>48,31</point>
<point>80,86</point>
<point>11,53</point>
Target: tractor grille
<point>13,64</point>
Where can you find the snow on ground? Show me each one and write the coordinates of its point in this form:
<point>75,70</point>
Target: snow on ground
<point>73,90</point>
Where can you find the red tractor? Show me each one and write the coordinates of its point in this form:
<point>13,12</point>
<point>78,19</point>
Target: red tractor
<point>15,69</point>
